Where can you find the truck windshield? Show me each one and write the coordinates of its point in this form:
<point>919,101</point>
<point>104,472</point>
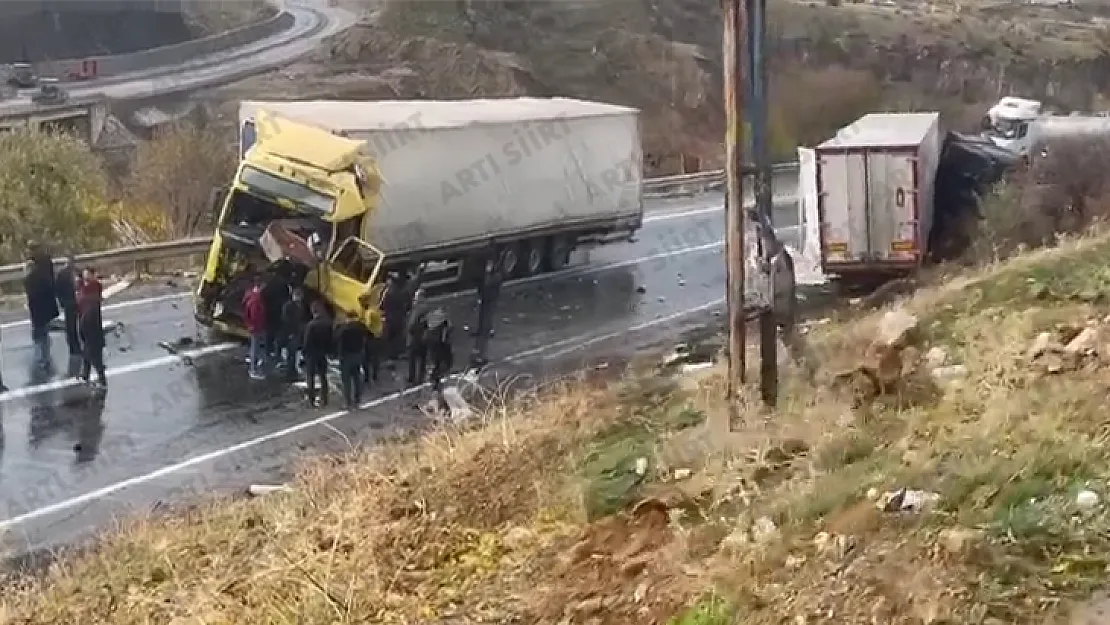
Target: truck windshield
<point>1010,128</point>
<point>303,196</point>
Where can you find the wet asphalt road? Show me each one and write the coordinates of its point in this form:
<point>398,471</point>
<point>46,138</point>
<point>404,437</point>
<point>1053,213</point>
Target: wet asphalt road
<point>167,429</point>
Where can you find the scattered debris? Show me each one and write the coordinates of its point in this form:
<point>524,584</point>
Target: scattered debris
<point>1087,499</point>
<point>682,474</point>
<point>905,500</point>
<point>764,530</point>
<point>641,466</point>
<point>261,490</point>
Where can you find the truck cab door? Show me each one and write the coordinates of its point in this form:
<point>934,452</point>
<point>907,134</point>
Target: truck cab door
<point>351,280</point>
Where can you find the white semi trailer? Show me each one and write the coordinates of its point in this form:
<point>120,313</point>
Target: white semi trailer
<point>874,189</point>
<point>533,178</point>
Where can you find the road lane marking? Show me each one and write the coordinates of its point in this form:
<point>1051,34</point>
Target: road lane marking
<point>138,480</point>
<point>555,274</point>
<point>54,385</point>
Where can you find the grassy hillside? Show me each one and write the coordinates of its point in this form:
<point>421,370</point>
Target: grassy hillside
<point>949,465</point>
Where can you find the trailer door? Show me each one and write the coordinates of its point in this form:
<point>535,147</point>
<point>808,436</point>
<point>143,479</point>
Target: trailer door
<point>843,182</point>
<point>893,203</point>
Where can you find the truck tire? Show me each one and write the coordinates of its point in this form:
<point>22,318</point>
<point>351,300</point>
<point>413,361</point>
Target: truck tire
<point>532,254</point>
<point>558,253</point>
<point>510,260</point>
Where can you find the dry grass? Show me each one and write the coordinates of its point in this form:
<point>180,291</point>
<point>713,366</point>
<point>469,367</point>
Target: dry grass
<point>528,517</point>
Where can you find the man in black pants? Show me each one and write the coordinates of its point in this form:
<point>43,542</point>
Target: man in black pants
<point>418,347</point>
<point>489,291</point>
<point>65,290</point>
<point>438,341</point>
<point>350,342</point>
<point>293,322</point>
<point>275,292</point>
<point>91,326</point>
<point>317,343</point>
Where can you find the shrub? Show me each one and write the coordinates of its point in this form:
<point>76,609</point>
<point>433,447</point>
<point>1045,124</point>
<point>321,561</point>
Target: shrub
<point>172,180</point>
<point>53,190</point>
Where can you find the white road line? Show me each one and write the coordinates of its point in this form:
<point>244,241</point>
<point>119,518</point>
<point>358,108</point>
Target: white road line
<point>54,385</point>
<point>116,306</point>
<point>172,296</point>
<point>189,463</point>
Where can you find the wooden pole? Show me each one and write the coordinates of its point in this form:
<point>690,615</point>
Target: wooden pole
<point>733,54</point>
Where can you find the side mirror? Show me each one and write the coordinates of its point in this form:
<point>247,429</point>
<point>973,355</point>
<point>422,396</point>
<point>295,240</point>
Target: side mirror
<point>216,204</point>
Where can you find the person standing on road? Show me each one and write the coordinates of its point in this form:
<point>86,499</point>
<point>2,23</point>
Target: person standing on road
<point>438,339</point>
<point>418,349</point>
<point>317,343</point>
<point>254,317</point>
<point>41,302</point>
<point>91,327</point>
<point>489,292</point>
<point>350,343</point>
<point>292,322</point>
<point>275,292</point>
<point>394,307</point>
<point>65,285</point>
<point>372,360</point>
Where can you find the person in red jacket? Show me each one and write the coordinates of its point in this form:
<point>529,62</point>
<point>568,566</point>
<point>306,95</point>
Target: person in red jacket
<point>254,315</point>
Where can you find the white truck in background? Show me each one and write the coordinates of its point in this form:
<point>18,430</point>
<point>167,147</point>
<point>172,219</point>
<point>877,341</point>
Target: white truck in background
<point>874,185</point>
<point>529,178</point>
<point>1028,129</point>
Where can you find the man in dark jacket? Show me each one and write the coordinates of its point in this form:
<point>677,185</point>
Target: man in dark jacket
<point>394,307</point>
<point>350,343</point>
<point>418,349</point>
<point>293,322</point>
<point>41,302</point>
<point>317,343</point>
<point>91,328</point>
<point>66,294</point>
<point>275,292</point>
<point>489,292</point>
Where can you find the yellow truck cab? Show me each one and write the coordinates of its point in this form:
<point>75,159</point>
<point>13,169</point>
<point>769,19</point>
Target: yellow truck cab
<point>294,211</point>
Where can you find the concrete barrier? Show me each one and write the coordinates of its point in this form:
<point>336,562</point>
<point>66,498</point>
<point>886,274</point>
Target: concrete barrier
<point>96,67</point>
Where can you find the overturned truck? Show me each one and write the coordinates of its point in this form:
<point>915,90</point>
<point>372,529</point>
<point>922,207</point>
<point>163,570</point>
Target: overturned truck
<point>335,195</point>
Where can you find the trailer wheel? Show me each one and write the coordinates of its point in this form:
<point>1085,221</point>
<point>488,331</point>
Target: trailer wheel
<point>558,253</point>
<point>510,259</point>
<point>533,258</point>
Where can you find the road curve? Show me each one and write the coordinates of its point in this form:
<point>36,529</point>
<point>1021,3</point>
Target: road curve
<point>314,22</point>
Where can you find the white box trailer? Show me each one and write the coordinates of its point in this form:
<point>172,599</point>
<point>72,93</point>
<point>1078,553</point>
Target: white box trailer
<point>525,174</point>
<point>875,182</point>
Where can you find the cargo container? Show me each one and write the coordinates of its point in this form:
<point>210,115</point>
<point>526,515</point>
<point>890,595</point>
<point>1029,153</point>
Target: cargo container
<point>875,183</point>
<point>537,176</point>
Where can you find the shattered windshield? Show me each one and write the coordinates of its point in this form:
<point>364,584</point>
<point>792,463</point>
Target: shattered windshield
<point>270,185</point>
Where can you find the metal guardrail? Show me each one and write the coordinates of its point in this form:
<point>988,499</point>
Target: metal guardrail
<point>667,186</point>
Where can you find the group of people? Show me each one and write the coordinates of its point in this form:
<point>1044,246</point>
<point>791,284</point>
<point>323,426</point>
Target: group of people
<point>76,295</point>
<point>285,328</point>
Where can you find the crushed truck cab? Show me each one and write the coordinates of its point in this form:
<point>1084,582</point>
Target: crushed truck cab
<point>294,210</point>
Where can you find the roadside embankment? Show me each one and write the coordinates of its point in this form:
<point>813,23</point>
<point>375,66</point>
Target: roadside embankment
<point>948,463</point>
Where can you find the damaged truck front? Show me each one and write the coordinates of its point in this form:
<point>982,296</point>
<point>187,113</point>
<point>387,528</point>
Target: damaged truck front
<point>294,212</point>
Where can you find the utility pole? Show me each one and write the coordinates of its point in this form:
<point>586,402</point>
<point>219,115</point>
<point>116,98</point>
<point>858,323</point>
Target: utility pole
<point>733,56</point>
<point>758,111</point>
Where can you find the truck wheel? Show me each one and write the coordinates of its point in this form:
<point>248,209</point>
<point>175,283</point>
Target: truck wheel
<point>510,259</point>
<point>533,258</point>
<point>558,254</point>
